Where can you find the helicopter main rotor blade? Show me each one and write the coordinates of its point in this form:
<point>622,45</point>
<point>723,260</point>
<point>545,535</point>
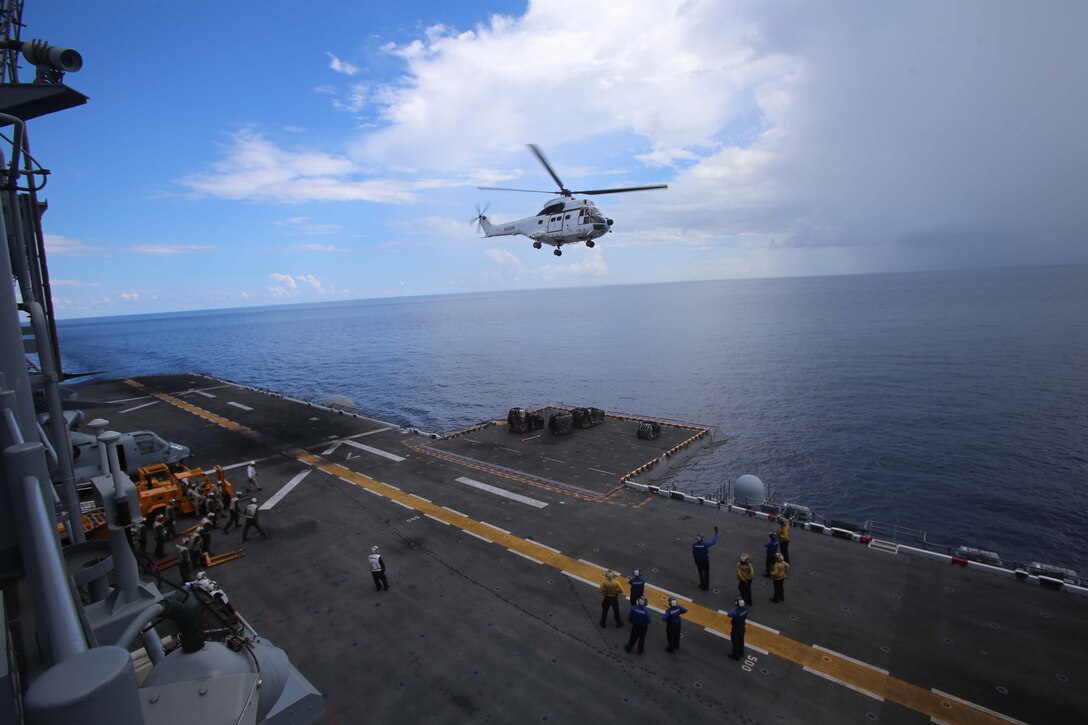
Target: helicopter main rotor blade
<point>592,192</point>
<point>540,157</point>
<point>501,188</point>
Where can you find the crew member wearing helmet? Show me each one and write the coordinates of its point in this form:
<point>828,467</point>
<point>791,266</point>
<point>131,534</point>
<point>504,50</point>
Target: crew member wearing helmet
<point>746,571</point>
<point>638,586</point>
<point>170,518</point>
<point>784,538</point>
<point>377,569</point>
<point>185,560</point>
<point>778,575</point>
<point>640,622</point>
<point>611,589</point>
<point>672,624</point>
<point>700,551</point>
<point>739,618</point>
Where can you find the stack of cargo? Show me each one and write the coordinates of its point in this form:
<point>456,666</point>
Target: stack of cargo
<point>587,417</point>
<point>536,421</point>
<point>518,420</point>
<point>649,431</point>
<point>561,424</point>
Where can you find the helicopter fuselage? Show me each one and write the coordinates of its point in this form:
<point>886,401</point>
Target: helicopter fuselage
<point>561,221</point>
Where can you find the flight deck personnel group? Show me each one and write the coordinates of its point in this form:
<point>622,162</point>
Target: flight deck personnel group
<point>777,549</point>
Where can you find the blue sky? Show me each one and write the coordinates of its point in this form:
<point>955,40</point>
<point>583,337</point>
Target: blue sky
<point>249,153</point>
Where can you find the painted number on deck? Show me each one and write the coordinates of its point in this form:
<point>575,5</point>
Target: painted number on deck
<point>414,518</point>
<point>749,663</point>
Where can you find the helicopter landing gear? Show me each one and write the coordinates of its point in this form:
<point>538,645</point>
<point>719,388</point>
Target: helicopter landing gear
<point>591,244</point>
<point>536,245</point>
<point>558,252</point>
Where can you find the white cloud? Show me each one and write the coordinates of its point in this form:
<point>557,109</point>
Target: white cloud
<point>287,280</point>
<point>341,66</point>
<point>509,266</point>
<point>255,169</point>
<point>166,250</point>
<point>72,283</point>
<point>130,296</point>
<point>788,126</point>
<point>310,280</point>
<point>320,248</point>
<point>353,100</point>
<point>56,244</point>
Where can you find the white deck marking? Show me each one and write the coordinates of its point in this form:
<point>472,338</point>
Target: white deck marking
<point>254,461</point>
<point>276,497</point>
<point>119,401</point>
<point>681,597</point>
<point>968,703</point>
<point>581,579</point>
<point>545,546</point>
<point>137,407</point>
<point>504,448</point>
<point>435,518</point>
<point>398,503</point>
<point>553,460</point>
<point>328,451</point>
<point>525,556</point>
<point>772,630</point>
<point>481,538</point>
<point>470,440</point>
<point>531,438</point>
<point>845,684</point>
<point>455,511</point>
<point>420,497</point>
<point>715,632</point>
<point>502,492</point>
<point>590,563</point>
<point>496,527</point>
<point>371,432</point>
<point>375,451</point>
<point>238,405</point>
<point>842,656</point>
<point>607,473</point>
<point>206,395</point>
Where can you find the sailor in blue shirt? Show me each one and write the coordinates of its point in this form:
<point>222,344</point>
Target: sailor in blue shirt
<point>739,617</point>
<point>672,624</point>
<point>638,586</point>
<point>772,551</point>
<point>640,622</point>
<point>700,551</point>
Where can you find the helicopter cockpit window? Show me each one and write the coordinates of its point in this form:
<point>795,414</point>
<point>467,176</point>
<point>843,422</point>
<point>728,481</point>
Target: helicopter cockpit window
<point>551,209</point>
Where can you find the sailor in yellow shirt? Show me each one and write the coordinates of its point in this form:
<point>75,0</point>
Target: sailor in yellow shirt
<point>784,539</point>
<point>612,591</point>
<point>778,575</point>
<point>745,573</point>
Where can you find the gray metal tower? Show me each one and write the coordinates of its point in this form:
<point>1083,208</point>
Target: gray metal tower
<point>76,617</point>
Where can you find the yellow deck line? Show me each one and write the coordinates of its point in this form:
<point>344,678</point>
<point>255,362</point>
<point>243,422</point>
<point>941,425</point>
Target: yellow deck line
<point>853,674</point>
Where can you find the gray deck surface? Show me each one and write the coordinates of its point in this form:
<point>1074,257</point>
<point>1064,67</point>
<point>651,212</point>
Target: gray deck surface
<point>471,631</point>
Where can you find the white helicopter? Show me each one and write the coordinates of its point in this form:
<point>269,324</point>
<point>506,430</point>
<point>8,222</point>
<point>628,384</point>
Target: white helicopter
<point>563,220</point>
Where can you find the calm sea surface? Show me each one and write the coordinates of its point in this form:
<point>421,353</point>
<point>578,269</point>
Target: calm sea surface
<point>951,402</point>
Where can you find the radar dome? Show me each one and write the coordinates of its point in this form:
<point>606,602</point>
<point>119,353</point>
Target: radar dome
<point>748,490</point>
<point>340,402</point>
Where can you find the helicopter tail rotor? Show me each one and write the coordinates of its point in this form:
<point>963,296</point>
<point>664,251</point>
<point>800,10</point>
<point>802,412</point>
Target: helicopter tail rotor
<point>481,216</point>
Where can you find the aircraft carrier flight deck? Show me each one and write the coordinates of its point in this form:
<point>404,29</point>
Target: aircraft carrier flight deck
<point>495,543</point>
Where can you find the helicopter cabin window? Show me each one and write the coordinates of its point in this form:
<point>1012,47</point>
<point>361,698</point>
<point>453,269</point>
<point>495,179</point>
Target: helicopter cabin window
<point>568,216</point>
<point>145,444</point>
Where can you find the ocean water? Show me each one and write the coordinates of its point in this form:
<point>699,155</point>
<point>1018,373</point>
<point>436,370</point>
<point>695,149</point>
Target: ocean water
<point>951,402</point>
